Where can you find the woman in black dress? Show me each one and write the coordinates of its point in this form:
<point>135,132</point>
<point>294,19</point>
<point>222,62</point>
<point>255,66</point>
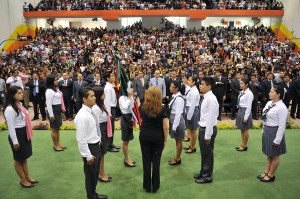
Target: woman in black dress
<point>20,134</point>
<point>153,136</point>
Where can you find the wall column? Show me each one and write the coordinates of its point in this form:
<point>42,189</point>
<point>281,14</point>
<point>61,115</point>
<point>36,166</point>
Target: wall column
<point>113,24</point>
<point>193,23</point>
<point>152,22</point>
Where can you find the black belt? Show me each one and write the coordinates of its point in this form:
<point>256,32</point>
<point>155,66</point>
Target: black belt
<point>204,127</point>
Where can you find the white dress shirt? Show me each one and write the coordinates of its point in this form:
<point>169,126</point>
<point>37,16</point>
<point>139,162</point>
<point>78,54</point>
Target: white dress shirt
<point>126,104</point>
<point>100,115</point>
<point>110,99</point>
<point>246,102</point>
<point>52,98</point>
<point>15,81</point>
<point>209,112</point>
<point>277,116</point>
<point>13,122</point>
<point>177,109</point>
<point>86,131</point>
<point>192,101</point>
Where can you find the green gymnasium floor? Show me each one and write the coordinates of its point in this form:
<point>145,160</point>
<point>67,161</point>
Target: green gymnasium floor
<point>61,174</point>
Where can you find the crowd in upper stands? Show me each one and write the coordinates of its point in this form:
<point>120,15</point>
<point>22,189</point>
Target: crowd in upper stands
<point>248,50</point>
<point>47,5</point>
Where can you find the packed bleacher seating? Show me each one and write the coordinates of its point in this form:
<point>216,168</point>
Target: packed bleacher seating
<point>48,5</point>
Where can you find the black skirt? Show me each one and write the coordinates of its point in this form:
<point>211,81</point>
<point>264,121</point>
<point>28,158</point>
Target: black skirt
<point>127,127</point>
<point>56,124</point>
<point>25,150</point>
<point>103,129</point>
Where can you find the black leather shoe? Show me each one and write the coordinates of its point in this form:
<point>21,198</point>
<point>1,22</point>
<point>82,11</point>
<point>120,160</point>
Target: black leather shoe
<point>190,151</point>
<point>197,176</point>
<point>219,118</point>
<point>259,176</point>
<point>29,186</point>
<point>101,180</point>
<point>177,162</point>
<point>271,179</point>
<point>116,147</point>
<point>243,149</point>
<point>292,116</point>
<point>34,119</point>
<point>101,196</point>
<point>113,150</point>
<point>186,148</point>
<point>129,165</point>
<point>58,150</point>
<point>33,182</point>
<point>44,119</point>
<point>202,181</point>
<point>298,117</point>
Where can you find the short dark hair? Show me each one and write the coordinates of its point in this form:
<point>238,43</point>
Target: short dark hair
<point>84,93</point>
<point>246,81</point>
<point>106,75</point>
<point>194,78</point>
<point>177,84</point>
<point>279,90</point>
<point>209,81</point>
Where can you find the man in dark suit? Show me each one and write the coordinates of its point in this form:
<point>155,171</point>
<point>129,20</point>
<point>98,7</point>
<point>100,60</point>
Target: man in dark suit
<point>140,85</point>
<point>296,99</point>
<point>219,90</point>
<point>266,86</point>
<point>97,81</point>
<point>173,77</point>
<point>288,89</point>
<point>255,87</point>
<point>66,87</point>
<point>235,91</point>
<point>37,94</point>
<point>77,85</point>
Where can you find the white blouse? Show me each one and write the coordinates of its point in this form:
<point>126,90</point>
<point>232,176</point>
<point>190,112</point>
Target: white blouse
<point>192,101</point>
<point>246,98</point>
<point>52,98</point>
<point>13,122</point>
<point>177,109</point>
<point>277,116</point>
<point>126,104</point>
<point>101,115</point>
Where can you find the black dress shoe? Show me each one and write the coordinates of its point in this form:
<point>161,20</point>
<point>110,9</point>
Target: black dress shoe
<point>202,181</point>
<point>101,196</point>
<point>190,151</point>
<point>129,165</point>
<point>29,186</point>
<point>44,119</point>
<point>33,182</point>
<point>186,148</point>
<point>34,119</point>
<point>58,150</point>
<point>243,149</point>
<point>292,116</point>
<point>177,162</point>
<point>271,179</point>
<point>197,176</point>
<point>113,150</point>
<point>116,147</point>
<point>219,118</point>
<point>298,117</point>
<point>101,180</point>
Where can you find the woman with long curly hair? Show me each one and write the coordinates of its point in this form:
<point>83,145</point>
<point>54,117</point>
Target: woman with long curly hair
<point>153,136</point>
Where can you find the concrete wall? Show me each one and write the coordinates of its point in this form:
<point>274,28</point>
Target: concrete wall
<point>291,18</point>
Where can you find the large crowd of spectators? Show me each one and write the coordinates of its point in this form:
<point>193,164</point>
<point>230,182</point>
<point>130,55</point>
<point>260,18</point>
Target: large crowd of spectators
<point>48,5</point>
<point>172,50</point>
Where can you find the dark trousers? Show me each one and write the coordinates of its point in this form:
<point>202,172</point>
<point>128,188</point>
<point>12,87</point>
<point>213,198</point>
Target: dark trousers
<point>234,109</point>
<point>38,102</point>
<point>220,101</point>
<point>69,107</point>
<point>264,102</point>
<point>207,153</point>
<point>2,98</point>
<point>254,108</point>
<point>78,105</point>
<point>91,172</point>
<point>110,140</point>
<point>295,103</point>
<point>151,154</point>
